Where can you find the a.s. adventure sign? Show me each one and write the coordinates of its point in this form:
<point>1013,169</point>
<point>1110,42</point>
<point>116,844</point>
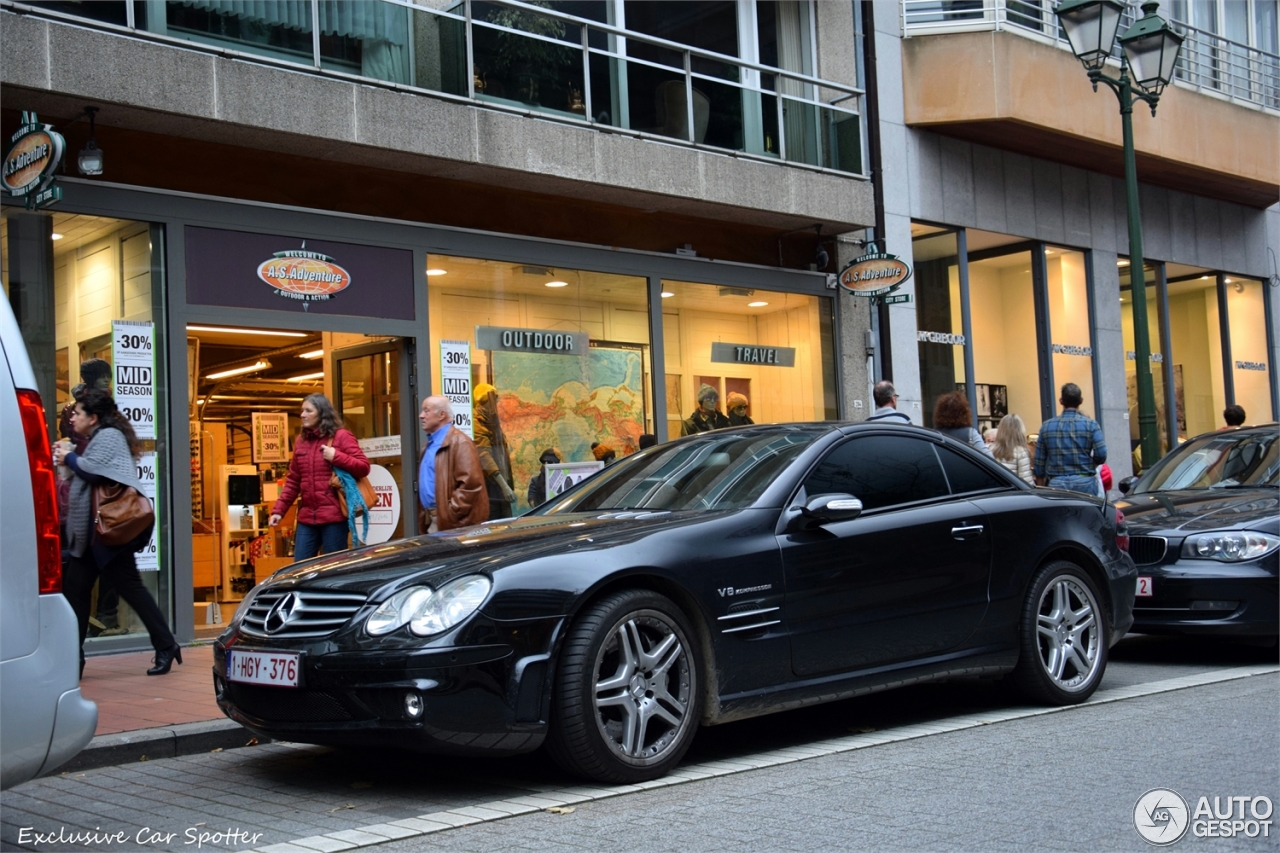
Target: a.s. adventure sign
<point>31,162</point>
<point>874,274</point>
<point>305,276</point>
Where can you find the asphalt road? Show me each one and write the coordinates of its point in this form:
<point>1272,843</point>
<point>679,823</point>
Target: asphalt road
<point>959,766</point>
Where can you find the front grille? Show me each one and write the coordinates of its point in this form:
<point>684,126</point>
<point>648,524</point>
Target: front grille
<point>311,613</point>
<point>1147,550</point>
<point>287,704</point>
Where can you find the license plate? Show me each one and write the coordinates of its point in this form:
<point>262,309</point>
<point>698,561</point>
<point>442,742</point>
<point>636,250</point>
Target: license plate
<point>275,669</point>
<point>1144,587</point>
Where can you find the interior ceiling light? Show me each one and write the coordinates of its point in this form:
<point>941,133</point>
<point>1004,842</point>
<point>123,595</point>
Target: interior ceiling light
<point>1122,263</point>
<point>315,353</point>
<point>236,371</point>
<point>436,271</point>
<point>667,294</point>
<point>1204,278</point>
<point>756,304</point>
<point>55,236</point>
<point>557,283</point>
<point>231,331</point>
<point>306,377</point>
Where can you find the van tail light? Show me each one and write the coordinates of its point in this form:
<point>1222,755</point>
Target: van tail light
<point>44,492</point>
<point>1122,532</point>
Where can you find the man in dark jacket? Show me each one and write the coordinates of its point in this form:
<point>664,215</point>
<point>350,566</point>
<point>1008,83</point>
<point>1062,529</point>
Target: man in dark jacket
<point>451,489</point>
<point>706,417</point>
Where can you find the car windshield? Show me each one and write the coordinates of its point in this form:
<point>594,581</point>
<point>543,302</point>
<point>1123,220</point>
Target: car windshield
<point>1218,461</point>
<point>714,473</point>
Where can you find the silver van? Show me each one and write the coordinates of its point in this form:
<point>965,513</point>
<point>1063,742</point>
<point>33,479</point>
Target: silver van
<point>44,721</point>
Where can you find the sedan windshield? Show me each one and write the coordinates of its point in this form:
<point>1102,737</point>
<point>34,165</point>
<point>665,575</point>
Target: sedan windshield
<point>1218,461</point>
<point>715,473</point>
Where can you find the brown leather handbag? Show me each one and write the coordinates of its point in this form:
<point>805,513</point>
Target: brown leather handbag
<point>121,514</point>
<point>366,492</point>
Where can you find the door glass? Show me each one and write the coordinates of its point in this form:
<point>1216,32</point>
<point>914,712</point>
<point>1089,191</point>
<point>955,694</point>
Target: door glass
<point>1071,343</point>
<point>1196,340</point>
<point>1251,374</point>
<point>1005,355</point>
<point>369,402</point>
<point>880,471</point>
<point>938,313</point>
<point>1157,357</point>
<point>964,475</point>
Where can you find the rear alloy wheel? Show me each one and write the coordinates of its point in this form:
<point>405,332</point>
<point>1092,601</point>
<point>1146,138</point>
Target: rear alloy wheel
<point>1063,637</point>
<point>628,690</point>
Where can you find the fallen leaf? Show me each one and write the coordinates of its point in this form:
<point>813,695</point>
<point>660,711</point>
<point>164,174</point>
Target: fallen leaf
<point>201,823</point>
<point>144,758</point>
<point>253,741</point>
<point>340,808</point>
<point>362,784</point>
<point>862,730</point>
<point>216,749</point>
<point>560,809</point>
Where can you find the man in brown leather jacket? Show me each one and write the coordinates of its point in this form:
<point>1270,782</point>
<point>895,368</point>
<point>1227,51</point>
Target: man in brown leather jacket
<point>451,488</point>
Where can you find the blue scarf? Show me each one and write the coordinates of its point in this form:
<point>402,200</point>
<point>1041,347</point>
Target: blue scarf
<point>355,503</point>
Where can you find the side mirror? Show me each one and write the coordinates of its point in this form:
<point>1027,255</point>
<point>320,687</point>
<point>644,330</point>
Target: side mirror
<point>824,509</point>
<point>1126,484</point>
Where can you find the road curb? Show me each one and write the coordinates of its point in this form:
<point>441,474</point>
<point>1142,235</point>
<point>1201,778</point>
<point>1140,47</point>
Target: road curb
<point>164,742</point>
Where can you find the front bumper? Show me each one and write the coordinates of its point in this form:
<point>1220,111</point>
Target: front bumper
<point>475,698</point>
<point>1210,597</point>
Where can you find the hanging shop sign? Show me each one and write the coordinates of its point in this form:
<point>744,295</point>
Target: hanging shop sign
<point>31,162</point>
<point>874,274</point>
<point>562,475</point>
<point>726,353</point>
<point>455,381</point>
<point>134,362</point>
<point>230,268</point>
<point>270,437</point>
<point>543,341</point>
<point>384,515</point>
<point>304,276</point>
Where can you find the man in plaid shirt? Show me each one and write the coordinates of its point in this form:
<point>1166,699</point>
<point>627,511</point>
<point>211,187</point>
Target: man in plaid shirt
<point>1070,448</point>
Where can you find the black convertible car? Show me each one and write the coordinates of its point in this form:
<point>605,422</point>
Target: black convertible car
<point>1205,535</point>
<point>714,578</point>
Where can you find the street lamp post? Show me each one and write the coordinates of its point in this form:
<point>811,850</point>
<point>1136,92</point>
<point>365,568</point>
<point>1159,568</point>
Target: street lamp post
<point>1150,53</point>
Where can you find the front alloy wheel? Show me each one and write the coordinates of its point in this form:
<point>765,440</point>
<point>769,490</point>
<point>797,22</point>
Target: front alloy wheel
<point>627,697</point>
<point>1064,637</point>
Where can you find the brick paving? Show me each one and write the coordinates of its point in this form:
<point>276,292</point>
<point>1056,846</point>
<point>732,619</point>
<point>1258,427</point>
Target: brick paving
<point>129,699</point>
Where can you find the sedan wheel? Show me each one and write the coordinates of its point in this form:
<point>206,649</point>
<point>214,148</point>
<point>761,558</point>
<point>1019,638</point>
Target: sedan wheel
<point>1064,637</point>
<point>627,699</point>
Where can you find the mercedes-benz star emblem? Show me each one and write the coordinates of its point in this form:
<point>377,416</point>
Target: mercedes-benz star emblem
<point>284,611</point>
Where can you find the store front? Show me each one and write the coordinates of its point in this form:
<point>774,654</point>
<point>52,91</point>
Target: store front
<point>248,309</point>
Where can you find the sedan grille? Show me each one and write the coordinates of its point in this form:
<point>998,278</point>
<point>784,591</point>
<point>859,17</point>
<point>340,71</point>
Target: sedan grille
<point>1147,550</point>
<point>300,613</point>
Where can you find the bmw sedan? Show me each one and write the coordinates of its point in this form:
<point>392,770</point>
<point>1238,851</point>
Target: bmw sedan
<point>718,577</point>
<point>1204,528</point>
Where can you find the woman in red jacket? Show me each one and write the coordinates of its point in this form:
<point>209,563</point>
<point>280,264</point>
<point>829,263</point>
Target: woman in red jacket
<point>322,446</point>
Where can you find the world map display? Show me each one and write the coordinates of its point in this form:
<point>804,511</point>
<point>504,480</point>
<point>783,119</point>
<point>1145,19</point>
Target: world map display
<point>567,402</point>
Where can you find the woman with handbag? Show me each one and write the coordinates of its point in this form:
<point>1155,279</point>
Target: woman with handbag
<point>323,447</point>
<point>107,522</point>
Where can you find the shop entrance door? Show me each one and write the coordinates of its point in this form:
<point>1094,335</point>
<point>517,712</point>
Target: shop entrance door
<point>368,384</point>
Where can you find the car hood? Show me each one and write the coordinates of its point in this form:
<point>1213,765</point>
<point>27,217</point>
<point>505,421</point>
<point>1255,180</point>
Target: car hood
<point>487,546</point>
<point>1193,510</point>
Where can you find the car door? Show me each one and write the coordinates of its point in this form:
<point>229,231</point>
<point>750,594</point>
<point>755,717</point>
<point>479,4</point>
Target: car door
<point>906,579</point>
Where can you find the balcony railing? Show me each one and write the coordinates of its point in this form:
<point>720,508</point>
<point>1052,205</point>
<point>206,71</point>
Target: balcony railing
<point>1207,62</point>
<point>518,57</point>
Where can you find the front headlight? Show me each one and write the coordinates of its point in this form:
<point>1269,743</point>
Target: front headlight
<point>397,610</point>
<point>452,603</point>
<point>1230,546</point>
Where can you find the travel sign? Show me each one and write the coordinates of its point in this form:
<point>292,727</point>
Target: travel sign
<point>31,163</point>
<point>875,274</point>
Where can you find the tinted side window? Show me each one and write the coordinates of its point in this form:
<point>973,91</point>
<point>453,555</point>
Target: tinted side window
<point>880,470</point>
<point>966,476</point>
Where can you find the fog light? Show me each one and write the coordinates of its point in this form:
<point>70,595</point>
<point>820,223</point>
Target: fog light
<point>412,705</point>
<point>219,686</point>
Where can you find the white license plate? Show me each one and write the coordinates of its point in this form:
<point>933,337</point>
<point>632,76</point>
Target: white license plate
<point>1144,587</point>
<point>276,669</point>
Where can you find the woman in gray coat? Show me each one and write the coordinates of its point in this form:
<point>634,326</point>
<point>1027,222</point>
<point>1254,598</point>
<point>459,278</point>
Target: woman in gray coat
<point>110,456</point>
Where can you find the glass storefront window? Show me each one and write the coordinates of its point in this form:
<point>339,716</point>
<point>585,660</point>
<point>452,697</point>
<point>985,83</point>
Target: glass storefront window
<point>1155,339</point>
<point>73,280</point>
<point>774,349</point>
<point>938,317</point>
<point>567,352</point>
<point>1005,359</point>
<point>1070,341</point>
<point>1250,373</point>
<point>1196,343</point>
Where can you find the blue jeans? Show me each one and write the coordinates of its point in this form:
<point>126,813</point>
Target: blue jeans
<point>313,539</point>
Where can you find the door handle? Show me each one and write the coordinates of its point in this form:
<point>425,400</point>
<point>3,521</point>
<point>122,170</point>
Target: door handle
<point>966,531</point>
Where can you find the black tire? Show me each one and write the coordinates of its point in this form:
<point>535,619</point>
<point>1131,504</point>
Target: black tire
<point>617,714</point>
<point>1064,637</point>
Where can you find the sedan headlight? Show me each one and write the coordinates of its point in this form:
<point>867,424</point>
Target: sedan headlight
<point>1230,546</point>
<point>428,611</point>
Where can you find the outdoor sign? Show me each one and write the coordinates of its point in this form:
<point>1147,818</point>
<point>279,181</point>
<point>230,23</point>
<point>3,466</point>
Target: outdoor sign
<point>305,276</point>
<point>270,441</point>
<point>31,163</point>
<point>380,446</point>
<point>754,355</point>
<point>384,515</point>
<point>532,340</point>
<point>874,274</point>
<point>237,269</point>
<point>562,475</point>
<point>455,381</point>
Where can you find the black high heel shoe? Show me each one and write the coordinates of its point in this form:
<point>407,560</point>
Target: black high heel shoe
<point>165,659</point>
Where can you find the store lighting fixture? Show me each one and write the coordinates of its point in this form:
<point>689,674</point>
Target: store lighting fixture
<point>756,304</point>
<point>55,236</point>
<point>315,353</point>
<point>557,283</point>
<point>237,371</point>
<point>91,159</point>
<point>231,331</point>
<point>1204,278</point>
<point>306,377</point>
<point>436,271</point>
<point>667,294</point>
<point>1122,263</point>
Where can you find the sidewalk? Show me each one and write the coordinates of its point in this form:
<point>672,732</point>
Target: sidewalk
<point>141,717</point>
